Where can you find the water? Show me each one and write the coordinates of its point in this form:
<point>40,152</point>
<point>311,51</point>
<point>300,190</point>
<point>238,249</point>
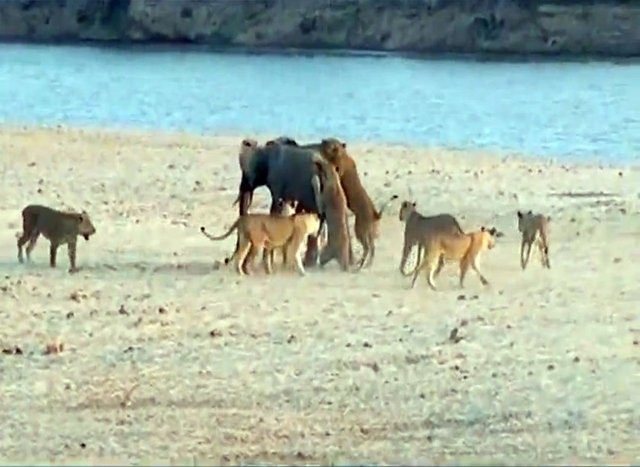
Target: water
<point>568,110</point>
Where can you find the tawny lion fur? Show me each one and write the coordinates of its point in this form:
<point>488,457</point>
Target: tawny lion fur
<point>534,228</point>
<point>465,248</point>
<point>332,205</point>
<point>59,227</point>
<point>418,229</point>
<point>367,217</point>
<point>265,231</point>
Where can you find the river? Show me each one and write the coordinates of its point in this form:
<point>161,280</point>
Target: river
<point>566,110</point>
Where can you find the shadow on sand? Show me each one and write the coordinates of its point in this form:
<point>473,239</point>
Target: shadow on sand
<point>192,268</point>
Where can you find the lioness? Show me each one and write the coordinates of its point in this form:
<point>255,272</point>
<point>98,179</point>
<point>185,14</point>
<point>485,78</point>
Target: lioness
<point>284,208</point>
<point>305,224</point>
<point>59,227</point>
<point>266,231</point>
<point>534,227</point>
<point>418,228</point>
<point>286,171</point>
<point>358,201</point>
<point>332,205</point>
<point>466,248</point>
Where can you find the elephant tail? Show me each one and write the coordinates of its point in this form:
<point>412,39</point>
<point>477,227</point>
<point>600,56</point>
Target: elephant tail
<point>223,236</point>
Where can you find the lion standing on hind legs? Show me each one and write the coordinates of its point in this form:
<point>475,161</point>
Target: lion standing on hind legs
<point>367,218</point>
<point>333,207</point>
<point>534,228</point>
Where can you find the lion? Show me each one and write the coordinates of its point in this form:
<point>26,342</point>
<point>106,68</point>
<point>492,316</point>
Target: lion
<point>282,208</point>
<point>358,201</point>
<point>465,248</point>
<point>367,217</point>
<point>306,224</point>
<point>286,171</point>
<point>418,228</point>
<point>534,228</point>
<point>285,208</point>
<point>267,231</point>
<point>59,227</point>
<point>332,206</point>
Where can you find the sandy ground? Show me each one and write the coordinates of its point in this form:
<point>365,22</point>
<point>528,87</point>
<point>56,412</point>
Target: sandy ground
<point>330,368</point>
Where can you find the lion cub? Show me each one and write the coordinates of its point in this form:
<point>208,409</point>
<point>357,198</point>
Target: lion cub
<point>465,248</point>
<point>59,227</point>
<point>266,231</point>
<point>532,226</point>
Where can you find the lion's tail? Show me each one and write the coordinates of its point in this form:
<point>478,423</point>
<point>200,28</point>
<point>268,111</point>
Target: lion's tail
<point>233,227</point>
<point>418,260</point>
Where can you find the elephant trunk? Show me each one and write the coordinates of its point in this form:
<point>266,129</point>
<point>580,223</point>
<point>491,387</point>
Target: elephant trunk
<point>245,201</point>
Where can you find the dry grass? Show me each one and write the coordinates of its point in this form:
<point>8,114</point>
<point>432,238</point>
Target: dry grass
<point>167,360</point>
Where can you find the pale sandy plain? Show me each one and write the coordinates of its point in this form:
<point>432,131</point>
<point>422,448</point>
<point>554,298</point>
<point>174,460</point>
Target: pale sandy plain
<point>330,368</point>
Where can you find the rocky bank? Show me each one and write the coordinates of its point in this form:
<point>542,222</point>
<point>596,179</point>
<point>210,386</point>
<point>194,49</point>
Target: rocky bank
<point>597,27</point>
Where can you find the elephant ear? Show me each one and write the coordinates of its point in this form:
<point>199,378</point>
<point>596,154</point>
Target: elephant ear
<point>248,144</point>
<point>248,149</point>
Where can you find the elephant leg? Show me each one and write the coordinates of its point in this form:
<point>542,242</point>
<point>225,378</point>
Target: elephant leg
<point>327,254</point>
<point>246,197</point>
<point>311,255</point>
<point>273,210</point>
<point>276,191</point>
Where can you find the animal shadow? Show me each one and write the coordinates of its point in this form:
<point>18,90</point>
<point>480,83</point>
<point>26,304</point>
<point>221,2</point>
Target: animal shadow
<point>191,268</point>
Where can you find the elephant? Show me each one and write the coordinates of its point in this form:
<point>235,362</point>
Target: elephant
<point>286,170</point>
<point>367,216</point>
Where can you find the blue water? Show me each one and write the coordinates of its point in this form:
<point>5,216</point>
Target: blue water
<point>569,110</point>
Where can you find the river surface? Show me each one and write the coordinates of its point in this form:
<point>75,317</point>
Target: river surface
<point>568,110</point>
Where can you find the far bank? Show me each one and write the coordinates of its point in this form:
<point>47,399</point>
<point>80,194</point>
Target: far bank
<point>548,28</point>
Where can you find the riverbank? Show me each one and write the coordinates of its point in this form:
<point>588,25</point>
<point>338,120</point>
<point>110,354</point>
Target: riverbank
<point>150,47</point>
<point>167,358</point>
<point>552,27</point>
